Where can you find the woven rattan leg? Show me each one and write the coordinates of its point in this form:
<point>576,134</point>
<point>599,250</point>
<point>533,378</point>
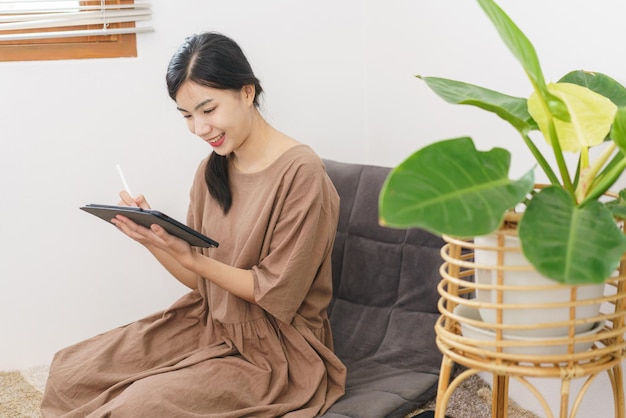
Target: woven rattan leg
<point>618,382</point>
<point>500,396</point>
<point>566,385</point>
<point>444,381</point>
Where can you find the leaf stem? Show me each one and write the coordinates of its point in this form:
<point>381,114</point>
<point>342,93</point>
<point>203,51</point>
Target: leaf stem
<point>619,156</point>
<point>554,107</point>
<point>558,155</point>
<point>607,181</point>
<point>540,159</point>
<point>589,172</point>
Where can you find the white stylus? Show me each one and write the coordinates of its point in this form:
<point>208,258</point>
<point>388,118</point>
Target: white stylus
<point>124,182</point>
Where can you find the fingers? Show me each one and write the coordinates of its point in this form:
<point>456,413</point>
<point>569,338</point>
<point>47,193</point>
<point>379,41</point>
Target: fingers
<point>127,199</point>
<point>141,201</point>
<point>179,249</point>
<point>137,201</point>
<point>137,232</point>
<point>155,237</point>
<point>164,239</point>
<point>125,225</point>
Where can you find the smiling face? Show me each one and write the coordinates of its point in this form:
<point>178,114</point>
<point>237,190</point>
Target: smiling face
<point>222,118</point>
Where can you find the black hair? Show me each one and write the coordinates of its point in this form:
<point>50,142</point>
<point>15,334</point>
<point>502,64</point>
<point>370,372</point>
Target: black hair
<point>213,60</point>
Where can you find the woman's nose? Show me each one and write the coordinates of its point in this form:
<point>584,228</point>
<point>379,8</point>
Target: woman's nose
<point>202,128</point>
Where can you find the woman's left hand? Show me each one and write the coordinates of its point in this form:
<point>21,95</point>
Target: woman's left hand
<point>156,237</point>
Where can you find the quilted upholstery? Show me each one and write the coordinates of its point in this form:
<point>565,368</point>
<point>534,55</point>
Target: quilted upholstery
<point>384,305</point>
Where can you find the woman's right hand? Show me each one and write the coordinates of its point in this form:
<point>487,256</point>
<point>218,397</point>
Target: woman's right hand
<point>127,226</point>
<point>137,201</point>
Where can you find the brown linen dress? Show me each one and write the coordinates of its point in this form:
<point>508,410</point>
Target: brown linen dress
<point>213,354</point>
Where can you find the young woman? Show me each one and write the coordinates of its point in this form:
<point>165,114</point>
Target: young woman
<point>252,338</point>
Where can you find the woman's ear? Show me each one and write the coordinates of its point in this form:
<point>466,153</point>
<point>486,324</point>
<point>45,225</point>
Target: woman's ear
<point>249,91</point>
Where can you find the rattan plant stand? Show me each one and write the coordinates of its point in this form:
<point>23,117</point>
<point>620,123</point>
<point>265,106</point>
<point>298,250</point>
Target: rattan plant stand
<point>494,352</point>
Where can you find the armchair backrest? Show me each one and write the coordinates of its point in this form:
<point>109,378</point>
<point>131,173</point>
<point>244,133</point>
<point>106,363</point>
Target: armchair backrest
<point>385,280</point>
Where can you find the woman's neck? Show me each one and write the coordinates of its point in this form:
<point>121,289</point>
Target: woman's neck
<point>264,145</point>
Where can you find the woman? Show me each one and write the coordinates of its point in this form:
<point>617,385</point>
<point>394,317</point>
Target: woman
<point>252,338</point>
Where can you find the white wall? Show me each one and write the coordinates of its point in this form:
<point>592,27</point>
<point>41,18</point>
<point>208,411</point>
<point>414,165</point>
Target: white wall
<point>337,75</point>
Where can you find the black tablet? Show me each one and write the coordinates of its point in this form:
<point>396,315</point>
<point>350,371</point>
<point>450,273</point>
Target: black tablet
<point>147,217</point>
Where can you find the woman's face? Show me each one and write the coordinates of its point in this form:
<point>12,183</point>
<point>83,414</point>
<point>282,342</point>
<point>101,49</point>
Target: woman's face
<point>222,118</point>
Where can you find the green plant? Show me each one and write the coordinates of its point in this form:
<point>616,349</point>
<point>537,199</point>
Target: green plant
<point>569,231</point>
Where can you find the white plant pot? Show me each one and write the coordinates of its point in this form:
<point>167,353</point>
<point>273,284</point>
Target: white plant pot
<point>487,257</point>
<point>523,344</point>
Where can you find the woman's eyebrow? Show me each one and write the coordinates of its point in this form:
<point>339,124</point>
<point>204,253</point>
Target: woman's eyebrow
<point>198,106</point>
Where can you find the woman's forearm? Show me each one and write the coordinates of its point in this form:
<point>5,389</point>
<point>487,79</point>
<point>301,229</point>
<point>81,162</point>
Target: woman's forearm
<point>239,282</point>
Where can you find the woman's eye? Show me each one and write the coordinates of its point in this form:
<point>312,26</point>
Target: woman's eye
<point>187,116</point>
<point>207,111</point>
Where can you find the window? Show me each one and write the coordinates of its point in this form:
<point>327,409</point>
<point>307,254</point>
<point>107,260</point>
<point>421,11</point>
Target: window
<point>50,30</point>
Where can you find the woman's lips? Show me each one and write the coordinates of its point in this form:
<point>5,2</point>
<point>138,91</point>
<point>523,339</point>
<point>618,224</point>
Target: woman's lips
<point>218,140</point>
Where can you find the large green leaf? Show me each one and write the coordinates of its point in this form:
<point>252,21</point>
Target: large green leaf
<point>449,187</point>
<point>515,40</point>
<point>570,244</point>
<point>598,82</point>
<point>525,52</point>
<point>512,109</point>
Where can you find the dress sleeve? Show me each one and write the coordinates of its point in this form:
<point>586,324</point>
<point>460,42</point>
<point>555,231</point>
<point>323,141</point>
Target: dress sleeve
<point>301,241</point>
